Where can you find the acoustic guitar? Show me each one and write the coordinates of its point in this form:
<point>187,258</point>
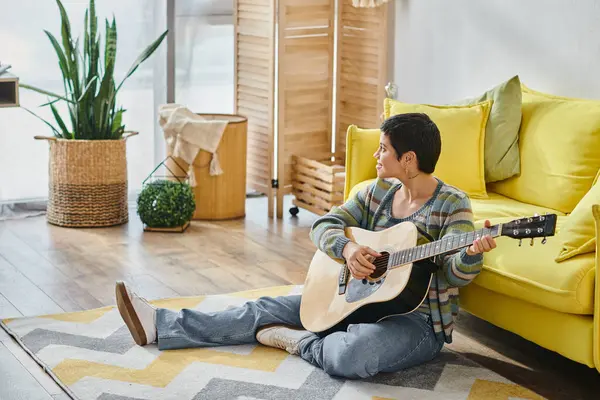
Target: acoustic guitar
<point>332,299</point>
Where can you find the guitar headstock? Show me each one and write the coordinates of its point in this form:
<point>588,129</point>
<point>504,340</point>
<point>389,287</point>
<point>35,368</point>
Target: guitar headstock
<point>530,227</point>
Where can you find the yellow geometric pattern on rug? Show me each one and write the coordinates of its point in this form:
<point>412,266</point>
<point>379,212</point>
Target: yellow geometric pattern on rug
<point>86,317</point>
<point>82,317</point>
<point>486,390</point>
<point>178,303</point>
<point>169,365</point>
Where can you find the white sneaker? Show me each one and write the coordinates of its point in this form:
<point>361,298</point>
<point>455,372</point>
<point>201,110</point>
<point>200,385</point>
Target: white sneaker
<point>138,314</point>
<point>282,337</point>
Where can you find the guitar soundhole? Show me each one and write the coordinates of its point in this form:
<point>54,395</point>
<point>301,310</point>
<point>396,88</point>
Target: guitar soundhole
<point>381,264</point>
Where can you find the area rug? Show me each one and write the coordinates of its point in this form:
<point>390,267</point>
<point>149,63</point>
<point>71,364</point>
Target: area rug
<point>92,356</point>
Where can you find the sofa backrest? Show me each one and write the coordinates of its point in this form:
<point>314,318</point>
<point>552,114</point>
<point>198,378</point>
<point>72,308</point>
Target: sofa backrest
<point>361,144</point>
<point>559,144</point>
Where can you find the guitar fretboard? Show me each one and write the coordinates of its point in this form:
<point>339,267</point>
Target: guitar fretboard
<point>445,245</point>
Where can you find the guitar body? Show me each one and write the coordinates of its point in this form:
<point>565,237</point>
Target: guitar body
<point>400,290</point>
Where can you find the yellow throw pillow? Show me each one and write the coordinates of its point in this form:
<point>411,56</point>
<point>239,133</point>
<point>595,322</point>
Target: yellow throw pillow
<point>578,234</point>
<point>462,129</point>
<point>560,152</point>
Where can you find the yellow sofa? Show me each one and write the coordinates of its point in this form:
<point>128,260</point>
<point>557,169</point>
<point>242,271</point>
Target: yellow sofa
<point>524,289</point>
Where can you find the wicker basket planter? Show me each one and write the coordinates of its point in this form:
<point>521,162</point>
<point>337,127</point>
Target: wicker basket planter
<point>87,182</point>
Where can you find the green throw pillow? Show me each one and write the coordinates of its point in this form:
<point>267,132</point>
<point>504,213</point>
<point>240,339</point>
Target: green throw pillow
<point>501,151</point>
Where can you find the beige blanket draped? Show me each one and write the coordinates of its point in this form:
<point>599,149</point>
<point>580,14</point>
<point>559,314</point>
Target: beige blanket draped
<point>368,3</point>
<point>187,133</point>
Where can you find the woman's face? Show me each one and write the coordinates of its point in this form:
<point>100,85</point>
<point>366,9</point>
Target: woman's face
<point>388,165</point>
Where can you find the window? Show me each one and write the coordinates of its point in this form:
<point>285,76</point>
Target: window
<point>23,44</point>
<point>204,55</point>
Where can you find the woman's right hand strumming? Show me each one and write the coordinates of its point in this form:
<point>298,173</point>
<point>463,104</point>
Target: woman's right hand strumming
<point>358,258</point>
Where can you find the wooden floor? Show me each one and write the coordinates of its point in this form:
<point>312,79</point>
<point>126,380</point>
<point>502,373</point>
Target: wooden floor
<point>46,269</point>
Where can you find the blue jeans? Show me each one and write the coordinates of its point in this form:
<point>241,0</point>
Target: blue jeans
<point>363,350</point>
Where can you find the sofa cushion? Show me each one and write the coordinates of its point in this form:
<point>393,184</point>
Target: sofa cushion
<point>462,130</point>
<point>530,273</point>
<point>579,233</point>
<point>502,159</point>
<point>496,206</point>
<point>560,155</point>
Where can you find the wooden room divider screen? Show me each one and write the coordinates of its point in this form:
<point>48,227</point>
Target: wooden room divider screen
<point>301,68</point>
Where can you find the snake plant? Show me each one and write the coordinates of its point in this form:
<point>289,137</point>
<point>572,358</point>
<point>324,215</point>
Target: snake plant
<point>89,82</point>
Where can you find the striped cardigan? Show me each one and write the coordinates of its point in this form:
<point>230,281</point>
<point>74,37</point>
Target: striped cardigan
<point>448,212</point>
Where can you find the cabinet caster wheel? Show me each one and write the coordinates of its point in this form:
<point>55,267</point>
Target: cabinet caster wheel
<point>294,211</point>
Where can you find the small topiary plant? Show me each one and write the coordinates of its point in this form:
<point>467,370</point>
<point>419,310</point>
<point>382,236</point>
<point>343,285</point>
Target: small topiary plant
<point>166,204</point>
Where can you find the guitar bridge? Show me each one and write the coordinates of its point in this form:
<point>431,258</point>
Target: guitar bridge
<point>343,280</point>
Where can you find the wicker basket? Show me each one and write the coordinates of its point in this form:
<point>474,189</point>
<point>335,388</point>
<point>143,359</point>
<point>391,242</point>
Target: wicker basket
<point>87,182</point>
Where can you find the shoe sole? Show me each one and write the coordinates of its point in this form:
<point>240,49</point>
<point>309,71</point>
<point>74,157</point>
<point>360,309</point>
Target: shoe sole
<point>129,315</point>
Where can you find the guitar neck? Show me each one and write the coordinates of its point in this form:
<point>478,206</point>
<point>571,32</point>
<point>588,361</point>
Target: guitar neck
<point>444,245</point>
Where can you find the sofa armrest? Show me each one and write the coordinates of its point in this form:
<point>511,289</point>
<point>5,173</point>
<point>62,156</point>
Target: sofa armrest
<point>596,213</point>
<point>361,144</point>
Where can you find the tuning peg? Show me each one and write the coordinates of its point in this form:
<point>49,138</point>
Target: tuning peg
<point>520,242</point>
<point>531,244</point>
<point>544,240</point>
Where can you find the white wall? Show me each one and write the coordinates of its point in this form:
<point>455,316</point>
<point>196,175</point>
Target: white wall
<point>447,50</point>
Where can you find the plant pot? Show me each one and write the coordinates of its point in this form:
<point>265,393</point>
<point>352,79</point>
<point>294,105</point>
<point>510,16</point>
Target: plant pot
<point>87,182</point>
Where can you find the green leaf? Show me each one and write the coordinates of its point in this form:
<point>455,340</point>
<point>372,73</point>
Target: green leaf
<point>117,123</point>
<point>42,91</point>
<point>56,133</point>
<point>110,50</point>
<point>93,21</point>
<point>62,59</point>
<point>65,30</point>
<point>59,120</point>
<point>74,70</point>
<point>110,54</point>
<point>106,94</point>
<point>143,57</point>
<point>87,88</point>
<point>49,103</point>
<point>73,116</point>
<point>70,54</point>
<point>94,43</point>
<point>86,37</point>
